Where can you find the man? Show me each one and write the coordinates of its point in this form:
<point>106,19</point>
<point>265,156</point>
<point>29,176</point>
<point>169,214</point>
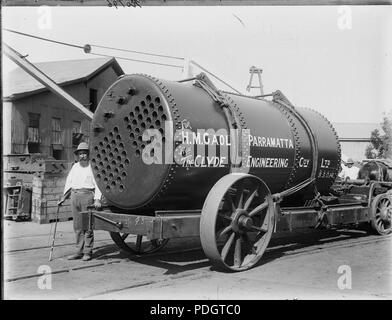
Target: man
<point>349,171</point>
<point>84,192</point>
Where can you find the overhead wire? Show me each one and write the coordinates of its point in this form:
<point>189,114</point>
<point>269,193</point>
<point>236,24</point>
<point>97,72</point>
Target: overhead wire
<point>138,52</point>
<point>44,39</point>
<point>104,55</point>
<point>123,58</point>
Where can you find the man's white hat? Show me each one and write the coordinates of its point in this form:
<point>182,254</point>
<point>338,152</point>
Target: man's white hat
<point>82,146</point>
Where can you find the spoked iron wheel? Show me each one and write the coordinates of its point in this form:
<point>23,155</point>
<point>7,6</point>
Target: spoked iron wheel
<point>139,245</point>
<point>381,211</point>
<point>237,221</point>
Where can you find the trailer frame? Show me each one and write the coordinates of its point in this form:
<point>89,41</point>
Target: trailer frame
<point>353,211</point>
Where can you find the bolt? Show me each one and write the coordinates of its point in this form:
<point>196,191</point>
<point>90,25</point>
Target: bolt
<point>132,91</point>
<point>121,100</point>
<point>108,114</point>
<point>98,128</point>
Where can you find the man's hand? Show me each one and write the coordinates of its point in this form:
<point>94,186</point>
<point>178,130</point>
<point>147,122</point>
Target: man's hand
<point>64,197</point>
<point>97,204</point>
<point>61,201</point>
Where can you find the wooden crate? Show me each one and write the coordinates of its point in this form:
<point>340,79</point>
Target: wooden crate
<point>43,213</point>
<point>47,190</point>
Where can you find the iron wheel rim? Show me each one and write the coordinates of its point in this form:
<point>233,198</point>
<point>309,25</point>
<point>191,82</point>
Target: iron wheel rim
<point>139,246</point>
<point>381,214</point>
<point>235,232</point>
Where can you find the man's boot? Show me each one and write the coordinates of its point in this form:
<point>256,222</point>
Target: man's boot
<point>87,257</point>
<point>75,256</point>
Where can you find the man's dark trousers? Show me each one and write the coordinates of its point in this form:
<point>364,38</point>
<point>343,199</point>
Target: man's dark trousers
<point>80,199</point>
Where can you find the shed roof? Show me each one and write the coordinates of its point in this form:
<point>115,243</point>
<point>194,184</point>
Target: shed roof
<point>18,83</point>
<point>355,131</point>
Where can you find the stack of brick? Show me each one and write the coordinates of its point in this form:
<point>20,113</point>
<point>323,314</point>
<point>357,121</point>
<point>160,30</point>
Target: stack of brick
<point>47,190</point>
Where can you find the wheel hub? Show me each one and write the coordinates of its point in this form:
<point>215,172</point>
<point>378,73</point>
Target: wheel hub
<point>241,221</point>
<point>245,222</point>
<point>385,214</point>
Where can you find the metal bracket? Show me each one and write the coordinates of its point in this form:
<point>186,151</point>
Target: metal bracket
<point>280,98</point>
<point>278,95</point>
<point>278,197</point>
<point>95,215</point>
<point>322,213</point>
<point>115,223</point>
<point>206,84</point>
<point>277,212</point>
<point>160,226</point>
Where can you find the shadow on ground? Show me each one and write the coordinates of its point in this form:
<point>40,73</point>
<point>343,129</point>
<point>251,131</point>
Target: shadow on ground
<point>177,262</point>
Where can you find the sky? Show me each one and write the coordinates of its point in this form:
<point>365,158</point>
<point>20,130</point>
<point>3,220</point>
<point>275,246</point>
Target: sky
<point>336,60</point>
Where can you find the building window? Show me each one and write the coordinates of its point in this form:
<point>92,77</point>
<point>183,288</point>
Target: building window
<point>77,134</point>
<point>33,147</point>
<point>76,126</point>
<point>57,154</point>
<point>33,129</point>
<point>93,99</point>
<point>56,131</point>
<point>57,146</point>
<point>33,138</point>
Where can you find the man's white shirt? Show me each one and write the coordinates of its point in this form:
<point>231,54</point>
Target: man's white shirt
<point>82,178</point>
<point>350,173</point>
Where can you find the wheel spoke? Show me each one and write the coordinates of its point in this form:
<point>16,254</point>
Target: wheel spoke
<point>260,229</point>
<point>241,201</point>
<point>237,252</point>
<point>230,200</point>
<point>224,216</point>
<point>124,236</point>
<point>224,231</point>
<point>259,208</point>
<point>259,235</point>
<point>250,198</point>
<point>240,195</point>
<point>227,246</point>
<point>381,205</point>
<point>384,203</point>
<point>139,243</point>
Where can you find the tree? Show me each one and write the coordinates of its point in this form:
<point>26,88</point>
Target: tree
<point>380,146</point>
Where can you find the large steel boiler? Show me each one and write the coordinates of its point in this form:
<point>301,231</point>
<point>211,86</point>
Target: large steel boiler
<point>280,146</point>
<point>176,159</point>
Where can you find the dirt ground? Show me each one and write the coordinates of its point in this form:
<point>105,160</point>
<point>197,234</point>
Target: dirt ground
<point>313,265</point>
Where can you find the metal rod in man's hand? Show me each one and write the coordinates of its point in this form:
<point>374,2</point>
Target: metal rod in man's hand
<point>59,204</point>
<point>54,234</point>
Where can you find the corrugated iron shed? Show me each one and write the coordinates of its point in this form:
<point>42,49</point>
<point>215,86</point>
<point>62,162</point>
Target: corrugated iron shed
<point>19,84</point>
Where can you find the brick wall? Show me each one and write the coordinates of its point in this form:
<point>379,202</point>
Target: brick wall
<point>47,190</point>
